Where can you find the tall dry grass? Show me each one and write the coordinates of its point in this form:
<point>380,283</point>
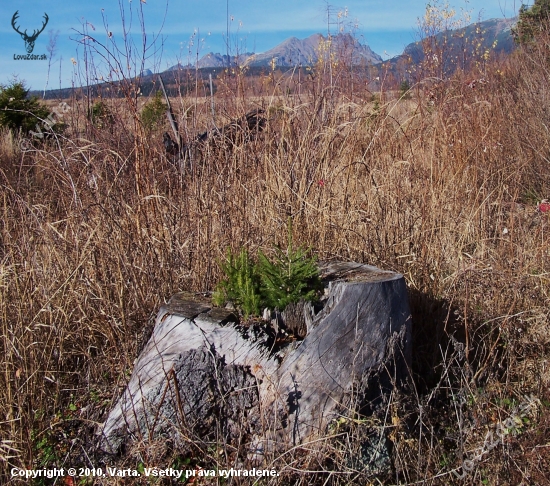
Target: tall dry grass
<point>98,228</point>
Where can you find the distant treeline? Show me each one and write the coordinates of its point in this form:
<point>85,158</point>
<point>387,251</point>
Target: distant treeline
<point>178,82</point>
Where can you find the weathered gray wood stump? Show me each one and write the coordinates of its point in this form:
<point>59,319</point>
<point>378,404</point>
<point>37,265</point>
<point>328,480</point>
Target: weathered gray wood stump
<point>204,374</point>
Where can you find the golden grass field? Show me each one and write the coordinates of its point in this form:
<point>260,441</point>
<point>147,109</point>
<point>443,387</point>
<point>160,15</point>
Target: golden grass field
<point>98,229</point>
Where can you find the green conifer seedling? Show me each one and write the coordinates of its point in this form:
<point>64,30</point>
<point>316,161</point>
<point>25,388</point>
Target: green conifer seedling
<point>291,276</point>
<point>241,285</point>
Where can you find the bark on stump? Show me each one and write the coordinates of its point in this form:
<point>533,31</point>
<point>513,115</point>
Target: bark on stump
<point>204,373</point>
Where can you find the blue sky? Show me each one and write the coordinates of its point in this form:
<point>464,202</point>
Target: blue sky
<point>185,27</point>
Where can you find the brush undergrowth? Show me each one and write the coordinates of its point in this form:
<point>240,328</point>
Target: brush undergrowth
<point>98,228</point>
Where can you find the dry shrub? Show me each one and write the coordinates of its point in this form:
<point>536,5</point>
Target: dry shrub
<point>99,228</point>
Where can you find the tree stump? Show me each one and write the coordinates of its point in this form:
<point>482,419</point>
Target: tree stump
<point>205,373</point>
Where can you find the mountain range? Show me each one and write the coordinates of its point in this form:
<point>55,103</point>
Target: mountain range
<point>294,52</point>
<point>306,52</point>
<point>493,34</point>
<point>214,60</point>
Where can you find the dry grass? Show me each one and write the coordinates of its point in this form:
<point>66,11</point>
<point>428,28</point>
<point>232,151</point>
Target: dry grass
<point>99,228</point>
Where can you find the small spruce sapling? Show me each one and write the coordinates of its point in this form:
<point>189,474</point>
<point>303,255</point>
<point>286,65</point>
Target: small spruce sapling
<point>153,112</point>
<point>18,110</point>
<point>292,276</point>
<point>241,285</point>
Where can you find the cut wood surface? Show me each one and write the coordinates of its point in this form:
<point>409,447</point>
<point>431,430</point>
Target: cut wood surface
<point>277,392</point>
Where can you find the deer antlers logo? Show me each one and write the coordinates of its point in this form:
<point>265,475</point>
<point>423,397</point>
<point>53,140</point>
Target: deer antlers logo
<point>29,39</point>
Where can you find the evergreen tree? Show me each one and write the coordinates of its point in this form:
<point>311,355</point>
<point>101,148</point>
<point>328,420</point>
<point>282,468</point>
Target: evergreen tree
<point>291,276</point>
<point>18,111</point>
<point>241,285</point>
<point>532,20</point>
<point>154,112</point>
